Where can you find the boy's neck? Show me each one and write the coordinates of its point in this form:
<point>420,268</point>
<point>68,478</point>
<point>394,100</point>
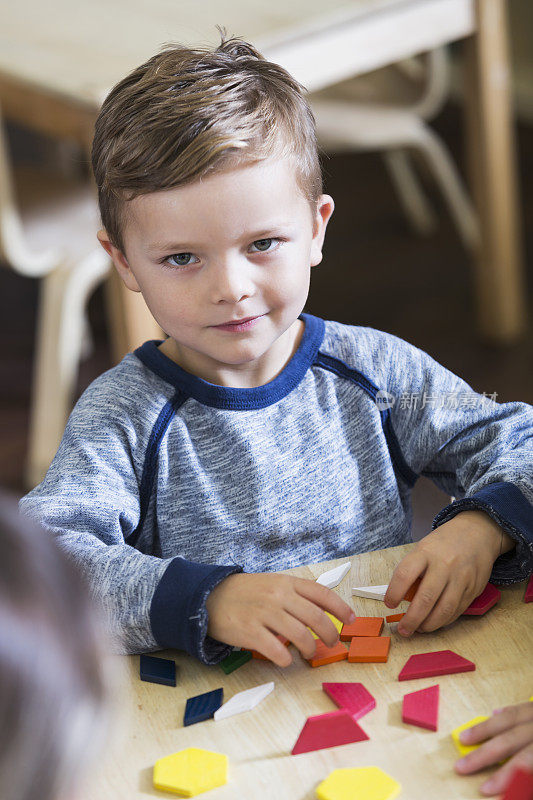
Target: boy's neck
<point>238,376</point>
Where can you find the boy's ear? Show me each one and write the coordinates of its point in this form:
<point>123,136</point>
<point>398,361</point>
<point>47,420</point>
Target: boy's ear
<point>119,260</point>
<point>324,210</point>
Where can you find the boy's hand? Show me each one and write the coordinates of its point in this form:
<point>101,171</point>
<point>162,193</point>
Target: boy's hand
<point>455,561</point>
<point>507,734</point>
<point>248,610</point>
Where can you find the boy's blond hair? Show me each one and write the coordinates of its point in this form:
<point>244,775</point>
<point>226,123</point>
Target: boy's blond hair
<point>187,112</point>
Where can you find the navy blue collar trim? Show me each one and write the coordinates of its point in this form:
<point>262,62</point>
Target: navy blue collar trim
<point>238,399</point>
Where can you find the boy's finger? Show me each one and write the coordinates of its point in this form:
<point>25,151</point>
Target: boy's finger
<point>297,632</point>
<point>498,723</point>
<point>447,609</point>
<point>498,783</point>
<point>423,603</point>
<point>408,570</point>
<point>497,749</point>
<point>313,617</point>
<point>270,646</point>
<point>326,598</point>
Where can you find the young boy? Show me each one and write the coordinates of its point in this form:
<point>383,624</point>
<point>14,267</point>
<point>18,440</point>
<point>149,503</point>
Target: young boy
<point>255,437</point>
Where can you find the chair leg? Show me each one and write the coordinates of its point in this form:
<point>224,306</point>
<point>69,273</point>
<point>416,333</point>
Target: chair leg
<point>447,177</point>
<point>409,192</point>
<point>65,293</point>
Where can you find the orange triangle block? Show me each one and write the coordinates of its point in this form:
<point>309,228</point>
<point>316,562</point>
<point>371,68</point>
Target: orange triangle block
<point>327,655</point>
<point>328,730</point>
<point>410,593</point>
<point>369,649</point>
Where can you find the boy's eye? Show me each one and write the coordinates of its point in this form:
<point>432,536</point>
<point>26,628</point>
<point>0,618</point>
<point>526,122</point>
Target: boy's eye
<point>180,259</point>
<point>262,245</point>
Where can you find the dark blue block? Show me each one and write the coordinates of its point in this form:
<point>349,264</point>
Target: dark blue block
<point>203,706</point>
<point>158,670</point>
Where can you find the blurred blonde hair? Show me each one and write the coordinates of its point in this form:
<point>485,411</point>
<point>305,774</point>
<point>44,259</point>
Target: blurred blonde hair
<point>187,112</point>
<point>53,685</point>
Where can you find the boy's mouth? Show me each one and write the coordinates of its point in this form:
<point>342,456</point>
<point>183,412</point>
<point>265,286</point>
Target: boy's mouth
<point>238,324</point>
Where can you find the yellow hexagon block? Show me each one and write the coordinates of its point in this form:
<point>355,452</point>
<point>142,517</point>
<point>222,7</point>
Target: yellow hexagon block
<point>190,772</point>
<point>361,783</point>
<point>338,624</point>
<point>466,748</point>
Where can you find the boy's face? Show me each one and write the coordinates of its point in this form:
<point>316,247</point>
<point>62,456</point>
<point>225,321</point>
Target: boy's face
<point>236,245</point>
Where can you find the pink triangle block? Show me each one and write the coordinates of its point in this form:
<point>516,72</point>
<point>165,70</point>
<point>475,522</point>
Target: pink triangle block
<point>481,604</point>
<point>528,597</point>
<point>351,696</point>
<point>441,662</point>
<point>328,730</point>
<point>422,708</point>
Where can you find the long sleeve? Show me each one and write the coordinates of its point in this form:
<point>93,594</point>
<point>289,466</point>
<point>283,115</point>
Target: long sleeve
<point>472,447</point>
<point>90,500</point>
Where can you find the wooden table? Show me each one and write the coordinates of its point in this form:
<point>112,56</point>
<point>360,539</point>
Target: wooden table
<point>258,743</point>
<point>59,59</point>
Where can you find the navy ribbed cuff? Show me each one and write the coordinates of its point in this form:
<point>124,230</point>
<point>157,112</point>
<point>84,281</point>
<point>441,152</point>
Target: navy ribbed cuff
<point>178,615</point>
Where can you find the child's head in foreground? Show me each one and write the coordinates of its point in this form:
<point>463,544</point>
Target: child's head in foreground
<point>52,687</point>
<point>211,199</point>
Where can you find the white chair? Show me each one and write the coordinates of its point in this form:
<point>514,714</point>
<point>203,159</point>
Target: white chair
<point>48,225</point>
<point>347,122</point>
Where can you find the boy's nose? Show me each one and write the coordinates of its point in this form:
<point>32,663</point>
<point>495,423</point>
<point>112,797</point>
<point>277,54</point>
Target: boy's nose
<point>231,282</point>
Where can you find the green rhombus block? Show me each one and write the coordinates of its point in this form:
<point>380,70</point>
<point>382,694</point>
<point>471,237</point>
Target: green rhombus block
<point>235,660</point>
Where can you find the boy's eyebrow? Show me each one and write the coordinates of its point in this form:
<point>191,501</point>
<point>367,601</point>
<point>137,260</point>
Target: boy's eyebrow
<point>181,247</point>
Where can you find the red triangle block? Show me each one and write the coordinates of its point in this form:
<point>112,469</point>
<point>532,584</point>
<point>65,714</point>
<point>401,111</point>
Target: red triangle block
<point>351,696</point>
<point>528,597</point>
<point>520,787</point>
<point>441,662</point>
<point>328,730</point>
<point>481,604</point>
<point>422,708</point>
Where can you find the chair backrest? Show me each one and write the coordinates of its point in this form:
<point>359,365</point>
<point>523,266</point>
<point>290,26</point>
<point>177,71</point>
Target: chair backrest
<point>436,73</point>
<point>14,252</point>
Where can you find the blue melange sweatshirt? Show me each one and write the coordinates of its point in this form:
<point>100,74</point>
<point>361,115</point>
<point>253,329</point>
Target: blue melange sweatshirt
<point>164,484</point>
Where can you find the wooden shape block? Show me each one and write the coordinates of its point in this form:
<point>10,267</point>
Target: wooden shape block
<point>466,748</point>
<point>412,590</point>
<point>481,604</point>
<point>327,655</point>
<point>257,654</point>
<point>336,622</point>
<point>334,576</point>
<point>369,649</point>
<point>440,662</point>
<point>354,697</point>
<point>422,708</point>
<point>202,707</point>
<point>235,660</point>
<point>362,626</point>
<point>190,772</point>
<point>520,786</point>
<point>366,783</point>
<point>528,597</point>
<point>244,701</point>
<point>157,670</point>
<point>394,617</point>
<point>328,730</point>
<point>373,592</point>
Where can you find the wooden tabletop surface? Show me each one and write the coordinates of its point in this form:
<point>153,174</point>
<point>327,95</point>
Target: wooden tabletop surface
<point>258,743</point>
